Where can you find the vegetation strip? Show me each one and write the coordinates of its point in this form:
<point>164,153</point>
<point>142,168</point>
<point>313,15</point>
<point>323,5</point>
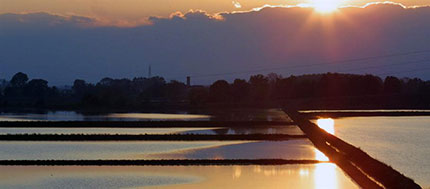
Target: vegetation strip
<point>152,137</point>
<point>314,115</point>
<point>139,124</point>
<point>363,169</point>
<point>158,162</point>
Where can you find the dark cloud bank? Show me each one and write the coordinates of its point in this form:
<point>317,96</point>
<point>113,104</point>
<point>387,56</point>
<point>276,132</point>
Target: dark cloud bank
<point>61,49</point>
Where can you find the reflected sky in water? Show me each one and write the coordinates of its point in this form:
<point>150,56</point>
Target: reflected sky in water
<point>325,175</point>
<point>74,116</point>
<point>217,115</point>
<point>293,149</point>
<point>292,130</point>
<point>401,142</point>
<point>100,130</point>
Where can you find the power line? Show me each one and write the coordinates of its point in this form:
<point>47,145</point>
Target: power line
<point>378,66</point>
<point>311,65</point>
<point>405,71</point>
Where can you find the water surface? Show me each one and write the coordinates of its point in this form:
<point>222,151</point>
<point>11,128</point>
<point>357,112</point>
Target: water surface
<point>402,142</point>
<point>293,149</point>
<point>217,115</point>
<point>292,130</point>
<point>325,175</point>
<point>74,116</point>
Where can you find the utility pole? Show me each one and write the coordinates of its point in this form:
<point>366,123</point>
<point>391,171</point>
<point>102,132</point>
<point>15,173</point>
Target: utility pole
<point>188,81</point>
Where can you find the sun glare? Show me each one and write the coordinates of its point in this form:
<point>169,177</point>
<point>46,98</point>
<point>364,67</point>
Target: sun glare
<point>326,6</point>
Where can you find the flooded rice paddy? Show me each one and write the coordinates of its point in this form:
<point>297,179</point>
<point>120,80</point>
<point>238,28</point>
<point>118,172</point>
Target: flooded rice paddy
<point>319,175</point>
<point>323,175</point>
<point>401,142</point>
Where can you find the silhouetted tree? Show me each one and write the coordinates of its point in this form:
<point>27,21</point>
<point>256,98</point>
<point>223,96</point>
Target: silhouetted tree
<point>284,88</point>
<point>3,85</point>
<point>176,91</point>
<point>392,85</point>
<point>329,90</point>
<point>80,87</point>
<point>16,87</point>
<point>37,88</point>
<point>19,80</point>
<point>240,90</point>
<point>259,88</point>
<point>220,91</point>
<point>198,96</point>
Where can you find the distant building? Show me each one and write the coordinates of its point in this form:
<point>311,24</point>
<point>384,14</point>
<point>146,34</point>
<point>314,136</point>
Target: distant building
<point>188,81</point>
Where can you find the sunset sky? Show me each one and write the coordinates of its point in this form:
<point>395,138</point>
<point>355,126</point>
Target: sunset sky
<point>61,40</point>
<point>132,12</point>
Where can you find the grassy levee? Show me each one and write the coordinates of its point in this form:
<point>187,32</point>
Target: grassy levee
<point>138,124</point>
<point>362,168</point>
<point>315,115</point>
<point>147,137</point>
<point>168,162</point>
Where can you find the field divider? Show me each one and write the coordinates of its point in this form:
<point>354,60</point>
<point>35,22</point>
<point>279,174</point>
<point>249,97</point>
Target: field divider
<point>334,114</point>
<point>148,137</point>
<point>167,162</point>
<point>361,167</point>
<point>142,124</point>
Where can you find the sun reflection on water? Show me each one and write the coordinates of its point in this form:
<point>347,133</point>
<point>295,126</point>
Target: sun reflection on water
<point>327,124</point>
<point>325,176</point>
<point>237,172</point>
<point>325,173</point>
<point>320,156</point>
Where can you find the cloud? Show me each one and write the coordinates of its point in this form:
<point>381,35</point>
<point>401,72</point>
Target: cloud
<point>278,39</point>
<point>236,4</point>
<point>43,20</point>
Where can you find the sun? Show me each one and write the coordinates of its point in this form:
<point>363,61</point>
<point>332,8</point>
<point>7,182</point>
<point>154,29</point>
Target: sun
<point>326,6</point>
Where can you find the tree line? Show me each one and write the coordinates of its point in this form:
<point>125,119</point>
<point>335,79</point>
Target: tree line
<point>328,90</point>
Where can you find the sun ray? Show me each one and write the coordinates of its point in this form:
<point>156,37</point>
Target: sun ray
<point>326,6</point>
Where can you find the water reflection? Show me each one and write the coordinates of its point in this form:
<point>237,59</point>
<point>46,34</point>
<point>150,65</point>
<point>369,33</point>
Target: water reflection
<point>327,124</point>
<point>237,172</point>
<point>408,137</point>
<point>292,130</point>
<point>78,130</point>
<point>325,176</point>
<point>178,177</point>
<point>325,173</point>
<point>214,115</point>
<point>292,149</point>
<point>74,116</point>
<point>320,156</point>
<point>158,116</point>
